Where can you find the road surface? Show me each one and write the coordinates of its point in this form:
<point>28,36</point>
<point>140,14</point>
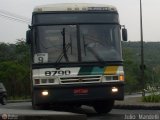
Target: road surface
<point>17,109</point>
<point>24,111</point>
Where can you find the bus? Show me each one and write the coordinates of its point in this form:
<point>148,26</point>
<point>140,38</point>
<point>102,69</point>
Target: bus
<point>76,55</point>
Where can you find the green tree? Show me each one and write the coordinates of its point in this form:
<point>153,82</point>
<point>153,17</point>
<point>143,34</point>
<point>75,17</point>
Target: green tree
<point>15,68</point>
<point>131,71</point>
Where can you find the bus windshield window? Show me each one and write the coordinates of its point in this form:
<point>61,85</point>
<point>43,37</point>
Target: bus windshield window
<point>100,43</point>
<point>59,42</point>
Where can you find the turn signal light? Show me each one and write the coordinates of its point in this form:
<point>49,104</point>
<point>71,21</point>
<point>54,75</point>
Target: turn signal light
<point>121,77</point>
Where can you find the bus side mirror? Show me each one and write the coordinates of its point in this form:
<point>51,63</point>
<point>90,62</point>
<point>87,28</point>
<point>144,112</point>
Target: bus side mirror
<point>28,37</point>
<point>124,34</point>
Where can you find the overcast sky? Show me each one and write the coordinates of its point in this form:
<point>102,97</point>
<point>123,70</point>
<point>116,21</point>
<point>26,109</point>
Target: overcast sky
<point>11,30</point>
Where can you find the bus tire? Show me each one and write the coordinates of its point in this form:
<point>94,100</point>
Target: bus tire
<point>40,107</point>
<point>34,106</point>
<point>103,106</point>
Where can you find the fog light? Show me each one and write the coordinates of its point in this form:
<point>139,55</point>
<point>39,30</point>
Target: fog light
<point>45,93</point>
<point>114,89</point>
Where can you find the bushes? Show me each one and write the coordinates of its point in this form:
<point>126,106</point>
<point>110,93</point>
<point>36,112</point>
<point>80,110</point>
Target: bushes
<point>151,98</point>
<point>15,69</point>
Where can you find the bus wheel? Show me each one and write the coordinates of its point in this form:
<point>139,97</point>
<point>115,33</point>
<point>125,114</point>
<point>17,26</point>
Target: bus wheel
<point>103,107</point>
<point>40,107</point>
<point>35,107</point>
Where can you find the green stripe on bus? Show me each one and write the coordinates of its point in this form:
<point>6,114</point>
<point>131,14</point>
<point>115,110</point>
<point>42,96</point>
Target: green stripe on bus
<point>91,71</point>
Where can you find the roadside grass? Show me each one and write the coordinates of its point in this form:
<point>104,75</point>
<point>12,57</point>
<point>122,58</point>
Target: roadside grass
<point>19,97</point>
<point>154,98</point>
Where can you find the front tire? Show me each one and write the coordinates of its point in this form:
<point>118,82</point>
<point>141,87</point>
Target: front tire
<point>34,106</point>
<point>103,106</point>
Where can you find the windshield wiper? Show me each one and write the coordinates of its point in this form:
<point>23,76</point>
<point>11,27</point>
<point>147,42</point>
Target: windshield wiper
<point>65,48</point>
<point>62,54</point>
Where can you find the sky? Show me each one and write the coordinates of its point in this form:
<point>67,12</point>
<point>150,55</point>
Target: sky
<point>11,30</point>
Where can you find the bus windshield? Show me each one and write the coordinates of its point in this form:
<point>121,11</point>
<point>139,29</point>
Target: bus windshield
<point>79,43</point>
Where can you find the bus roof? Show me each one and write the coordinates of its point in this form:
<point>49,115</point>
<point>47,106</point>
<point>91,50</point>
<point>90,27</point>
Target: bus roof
<point>74,7</point>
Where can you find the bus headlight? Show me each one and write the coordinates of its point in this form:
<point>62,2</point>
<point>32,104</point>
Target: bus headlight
<point>45,93</point>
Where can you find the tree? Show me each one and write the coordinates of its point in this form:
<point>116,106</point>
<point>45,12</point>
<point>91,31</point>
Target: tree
<point>132,71</point>
<point>15,68</point>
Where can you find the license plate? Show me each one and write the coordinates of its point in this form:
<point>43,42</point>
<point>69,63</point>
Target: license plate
<point>80,91</point>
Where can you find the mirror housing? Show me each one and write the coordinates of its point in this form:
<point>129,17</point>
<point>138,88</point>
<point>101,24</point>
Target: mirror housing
<point>124,34</point>
<point>28,37</point>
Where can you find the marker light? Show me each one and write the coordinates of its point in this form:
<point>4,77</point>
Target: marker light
<point>121,77</point>
<point>45,93</point>
<point>114,89</point>
<point>43,80</point>
<point>51,80</point>
<point>37,81</point>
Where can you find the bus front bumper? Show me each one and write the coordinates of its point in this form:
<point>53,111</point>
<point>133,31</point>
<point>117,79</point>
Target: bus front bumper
<point>77,93</point>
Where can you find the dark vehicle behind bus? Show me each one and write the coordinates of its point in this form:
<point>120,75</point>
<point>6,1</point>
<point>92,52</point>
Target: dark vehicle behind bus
<point>3,94</point>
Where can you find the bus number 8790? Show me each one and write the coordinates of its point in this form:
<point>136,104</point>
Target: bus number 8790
<point>58,73</point>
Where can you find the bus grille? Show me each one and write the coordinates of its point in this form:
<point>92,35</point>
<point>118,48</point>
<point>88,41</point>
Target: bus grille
<point>80,79</point>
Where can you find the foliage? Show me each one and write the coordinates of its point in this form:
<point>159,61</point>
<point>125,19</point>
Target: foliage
<point>130,78</point>
<point>19,97</point>
<point>151,98</point>
<point>132,61</point>
<point>154,96</point>
<point>14,68</point>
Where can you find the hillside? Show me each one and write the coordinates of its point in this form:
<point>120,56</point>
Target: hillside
<point>132,61</point>
<point>151,52</point>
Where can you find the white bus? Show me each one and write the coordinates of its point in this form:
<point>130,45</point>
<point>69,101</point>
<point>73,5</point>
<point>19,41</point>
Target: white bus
<point>76,55</point>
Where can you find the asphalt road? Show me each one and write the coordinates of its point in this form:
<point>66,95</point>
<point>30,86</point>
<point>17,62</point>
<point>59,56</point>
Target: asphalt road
<point>118,114</point>
<point>24,111</point>
<point>16,109</point>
